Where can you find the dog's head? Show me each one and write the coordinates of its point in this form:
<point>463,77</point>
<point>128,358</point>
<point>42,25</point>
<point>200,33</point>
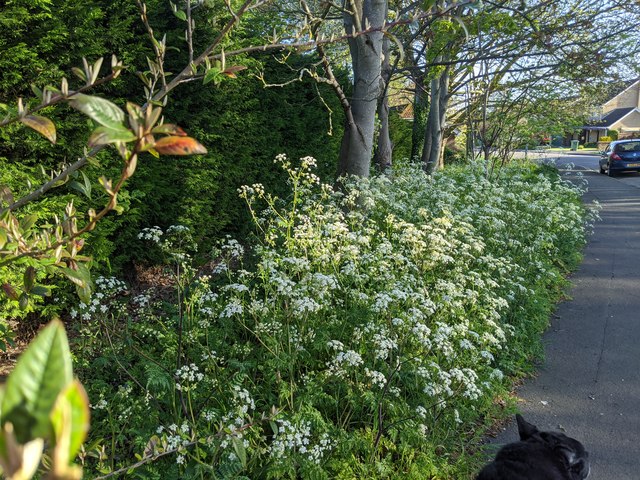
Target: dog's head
<point>570,449</point>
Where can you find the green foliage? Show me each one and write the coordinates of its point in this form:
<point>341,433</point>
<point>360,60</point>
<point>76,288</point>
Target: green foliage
<point>400,131</point>
<point>453,156</point>
<point>244,126</point>
<point>351,342</point>
<point>55,246</point>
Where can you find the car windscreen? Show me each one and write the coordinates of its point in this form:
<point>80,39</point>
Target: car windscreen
<point>628,147</point>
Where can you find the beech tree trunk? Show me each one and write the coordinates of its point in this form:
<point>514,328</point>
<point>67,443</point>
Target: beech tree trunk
<point>420,104</point>
<point>366,53</point>
<point>384,150</point>
<point>434,133</point>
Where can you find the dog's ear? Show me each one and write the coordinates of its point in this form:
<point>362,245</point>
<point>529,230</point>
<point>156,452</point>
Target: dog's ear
<point>577,460</point>
<point>525,429</point>
<point>569,454</point>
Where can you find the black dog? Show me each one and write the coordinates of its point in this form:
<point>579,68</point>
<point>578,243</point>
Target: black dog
<point>538,456</point>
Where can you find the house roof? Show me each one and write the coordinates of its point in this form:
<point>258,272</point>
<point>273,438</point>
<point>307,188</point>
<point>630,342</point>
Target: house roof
<point>610,118</point>
<point>630,84</point>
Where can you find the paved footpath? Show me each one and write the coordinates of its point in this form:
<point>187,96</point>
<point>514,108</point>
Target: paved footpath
<point>589,385</point>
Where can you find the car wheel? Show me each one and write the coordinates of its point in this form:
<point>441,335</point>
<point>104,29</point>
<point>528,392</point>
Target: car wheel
<point>609,171</point>
<point>602,170</point>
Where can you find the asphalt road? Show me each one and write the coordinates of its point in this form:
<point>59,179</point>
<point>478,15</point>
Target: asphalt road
<point>589,385</point>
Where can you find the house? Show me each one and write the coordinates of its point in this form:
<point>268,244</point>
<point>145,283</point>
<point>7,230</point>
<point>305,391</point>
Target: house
<point>621,113</point>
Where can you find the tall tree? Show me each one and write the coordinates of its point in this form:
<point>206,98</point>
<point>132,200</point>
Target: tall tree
<point>383,153</point>
<point>364,21</point>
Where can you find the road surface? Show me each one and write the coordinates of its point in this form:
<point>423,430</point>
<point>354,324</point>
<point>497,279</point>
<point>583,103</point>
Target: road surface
<point>589,385</point>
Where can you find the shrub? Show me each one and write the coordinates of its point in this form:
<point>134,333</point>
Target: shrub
<point>605,139</point>
<point>365,334</point>
<point>453,155</point>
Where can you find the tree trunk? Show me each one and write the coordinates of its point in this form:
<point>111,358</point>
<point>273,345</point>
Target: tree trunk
<point>366,52</point>
<point>420,104</point>
<point>434,133</point>
<point>384,150</point>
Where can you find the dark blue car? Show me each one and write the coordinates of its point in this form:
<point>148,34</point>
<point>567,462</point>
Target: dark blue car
<point>621,156</point>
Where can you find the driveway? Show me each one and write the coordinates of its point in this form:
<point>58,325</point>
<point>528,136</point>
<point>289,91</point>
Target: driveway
<point>589,385</point>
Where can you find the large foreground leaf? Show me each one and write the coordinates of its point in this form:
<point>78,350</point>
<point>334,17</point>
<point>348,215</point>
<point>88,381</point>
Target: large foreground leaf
<point>42,371</point>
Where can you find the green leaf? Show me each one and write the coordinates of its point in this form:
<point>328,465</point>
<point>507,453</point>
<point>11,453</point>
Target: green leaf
<point>211,75</point>
<point>181,15</point>
<point>106,135</point>
<point>79,187</point>
<point>42,125</point>
<point>81,277</point>
<point>28,221</point>
<point>36,91</point>
<point>3,237</point>
<point>70,421</point>
<point>84,292</point>
<point>87,184</point>
<point>23,301</point>
<point>33,386</point>
<point>79,73</point>
<point>29,278</point>
<point>98,109</point>
<point>241,451</point>
<point>41,291</point>
<point>83,187</point>
<point>169,129</point>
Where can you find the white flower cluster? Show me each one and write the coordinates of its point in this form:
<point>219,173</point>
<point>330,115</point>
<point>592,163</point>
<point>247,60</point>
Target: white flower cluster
<point>141,301</point>
<point>234,307</point>
<point>177,229</point>
<point>289,438</point>
<point>104,300</point>
<point>101,404</point>
<point>188,377</point>
<point>153,234</point>
<point>293,438</point>
<point>242,407</point>
<point>344,361</point>
<point>377,378</point>
<point>231,248</point>
<point>177,438</point>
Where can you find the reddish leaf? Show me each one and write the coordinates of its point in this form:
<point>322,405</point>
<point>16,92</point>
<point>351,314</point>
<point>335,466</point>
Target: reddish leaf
<point>231,71</point>
<point>10,291</point>
<point>179,146</point>
<point>42,125</point>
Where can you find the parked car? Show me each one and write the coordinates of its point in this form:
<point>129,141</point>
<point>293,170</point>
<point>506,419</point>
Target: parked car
<point>621,156</point>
